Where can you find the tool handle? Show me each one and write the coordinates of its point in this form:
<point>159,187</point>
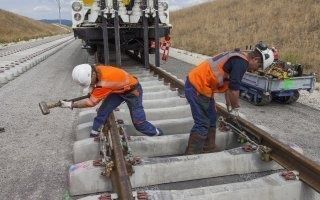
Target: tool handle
<point>79,98</point>
<point>53,105</point>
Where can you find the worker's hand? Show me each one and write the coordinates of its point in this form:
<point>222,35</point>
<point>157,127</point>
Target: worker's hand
<point>234,112</point>
<point>66,104</point>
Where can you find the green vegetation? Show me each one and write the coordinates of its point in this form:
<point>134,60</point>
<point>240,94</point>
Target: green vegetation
<point>293,26</point>
<point>16,28</point>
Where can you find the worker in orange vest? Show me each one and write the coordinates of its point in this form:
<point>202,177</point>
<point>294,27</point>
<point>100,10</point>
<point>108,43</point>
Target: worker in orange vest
<point>113,86</point>
<point>219,74</point>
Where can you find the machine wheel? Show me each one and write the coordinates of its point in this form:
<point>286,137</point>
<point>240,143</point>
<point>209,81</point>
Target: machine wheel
<point>265,99</point>
<point>136,52</point>
<point>142,55</point>
<point>290,99</point>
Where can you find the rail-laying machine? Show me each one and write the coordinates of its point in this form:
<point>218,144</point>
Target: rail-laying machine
<point>121,25</point>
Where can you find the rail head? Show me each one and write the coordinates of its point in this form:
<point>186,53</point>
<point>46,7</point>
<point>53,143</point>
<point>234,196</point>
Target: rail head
<point>119,175</point>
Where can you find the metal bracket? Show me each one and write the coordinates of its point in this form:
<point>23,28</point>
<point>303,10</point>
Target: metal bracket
<point>130,162</point>
<point>141,195</point>
<point>265,153</point>
<point>290,175</point>
<point>223,127</point>
<point>98,163</point>
<point>108,169</point>
<point>241,139</point>
<point>134,160</point>
<point>105,197</point>
<point>108,196</point>
<point>249,148</point>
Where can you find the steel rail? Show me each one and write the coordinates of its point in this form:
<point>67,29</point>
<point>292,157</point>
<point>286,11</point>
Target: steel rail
<point>119,175</point>
<point>309,170</point>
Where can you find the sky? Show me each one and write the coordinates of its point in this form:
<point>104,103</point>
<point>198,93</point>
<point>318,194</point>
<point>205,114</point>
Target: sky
<point>48,9</point>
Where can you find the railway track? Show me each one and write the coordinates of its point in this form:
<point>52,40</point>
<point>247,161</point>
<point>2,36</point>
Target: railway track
<point>19,60</point>
<point>122,160</point>
<point>25,46</point>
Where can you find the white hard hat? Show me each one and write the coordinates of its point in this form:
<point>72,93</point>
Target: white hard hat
<point>267,55</point>
<point>82,74</point>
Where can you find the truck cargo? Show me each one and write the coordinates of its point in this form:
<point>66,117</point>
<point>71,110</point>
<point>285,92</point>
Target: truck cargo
<point>280,82</point>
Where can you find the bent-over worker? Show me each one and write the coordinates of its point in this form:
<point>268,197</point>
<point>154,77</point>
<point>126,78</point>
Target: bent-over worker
<point>113,86</point>
<point>219,74</point>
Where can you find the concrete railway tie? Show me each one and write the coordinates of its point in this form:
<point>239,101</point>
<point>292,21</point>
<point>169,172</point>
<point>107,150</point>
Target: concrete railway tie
<point>31,44</point>
<point>162,159</point>
<point>12,66</point>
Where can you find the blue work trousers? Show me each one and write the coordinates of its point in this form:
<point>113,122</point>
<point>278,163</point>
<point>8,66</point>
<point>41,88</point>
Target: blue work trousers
<point>203,110</point>
<point>137,113</point>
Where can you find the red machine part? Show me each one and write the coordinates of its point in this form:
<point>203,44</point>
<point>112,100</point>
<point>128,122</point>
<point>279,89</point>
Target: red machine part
<point>275,53</point>
<point>165,47</point>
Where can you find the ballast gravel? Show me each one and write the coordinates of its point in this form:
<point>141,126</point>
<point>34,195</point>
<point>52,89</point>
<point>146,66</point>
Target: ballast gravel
<point>36,150</point>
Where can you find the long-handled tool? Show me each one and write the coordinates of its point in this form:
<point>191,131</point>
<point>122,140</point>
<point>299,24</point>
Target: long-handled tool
<point>46,106</point>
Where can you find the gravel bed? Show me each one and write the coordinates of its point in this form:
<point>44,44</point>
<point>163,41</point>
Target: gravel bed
<point>36,150</point>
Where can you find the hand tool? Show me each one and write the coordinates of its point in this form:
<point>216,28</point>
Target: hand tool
<point>46,106</point>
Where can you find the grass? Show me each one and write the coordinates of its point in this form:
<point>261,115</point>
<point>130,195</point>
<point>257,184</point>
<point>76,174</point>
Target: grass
<point>16,28</point>
<point>293,26</point>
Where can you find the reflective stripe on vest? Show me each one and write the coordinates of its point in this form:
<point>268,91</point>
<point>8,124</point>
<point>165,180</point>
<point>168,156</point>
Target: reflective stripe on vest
<point>218,61</point>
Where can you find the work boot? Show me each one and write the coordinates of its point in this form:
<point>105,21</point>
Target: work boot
<point>159,132</point>
<point>94,134</point>
<point>210,142</point>
<point>195,144</point>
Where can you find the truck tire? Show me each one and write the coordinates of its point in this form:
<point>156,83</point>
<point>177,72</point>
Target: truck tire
<point>265,99</point>
<point>291,99</point>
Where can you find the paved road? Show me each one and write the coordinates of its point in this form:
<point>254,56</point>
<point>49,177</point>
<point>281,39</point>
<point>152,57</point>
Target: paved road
<point>296,123</point>
<point>36,150</point>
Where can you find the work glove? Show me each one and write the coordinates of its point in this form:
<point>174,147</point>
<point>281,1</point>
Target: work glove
<point>234,112</point>
<point>66,104</point>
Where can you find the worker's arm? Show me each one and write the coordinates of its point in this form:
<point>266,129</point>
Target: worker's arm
<point>85,103</point>
<point>96,96</point>
<point>236,67</point>
<point>228,103</point>
<point>232,99</point>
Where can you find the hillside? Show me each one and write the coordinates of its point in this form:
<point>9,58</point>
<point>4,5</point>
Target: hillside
<point>15,28</point>
<point>56,21</point>
<point>293,26</point>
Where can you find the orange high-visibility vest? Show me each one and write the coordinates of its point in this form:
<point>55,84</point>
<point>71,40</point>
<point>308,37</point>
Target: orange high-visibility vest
<point>209,77</point>
<point>115,79</point>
